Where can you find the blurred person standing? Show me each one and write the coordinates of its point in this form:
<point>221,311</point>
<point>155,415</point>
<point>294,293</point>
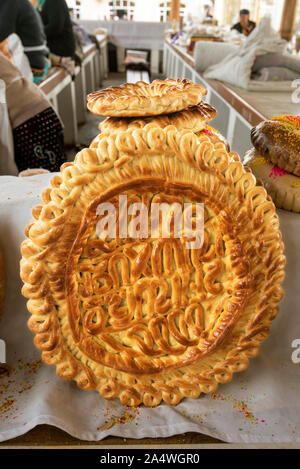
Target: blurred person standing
<point>19,17</point>
<point>244,26</point>
<point>59,31</point>
<point>37,131</point>
<point>208,12</point>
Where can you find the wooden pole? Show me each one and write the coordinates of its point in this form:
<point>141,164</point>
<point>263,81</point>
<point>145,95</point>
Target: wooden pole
<point>175,10</point>
<point>257,11</point>
<point>288,19</point>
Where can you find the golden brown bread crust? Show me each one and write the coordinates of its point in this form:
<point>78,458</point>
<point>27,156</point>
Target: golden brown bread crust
<point>144,99</point>
<point>193,118</point>
<point>148,320</point>
<point>282,186</point>
<point>33,172</point>
<point>215,136</point>
<point>278,140</point>
<point>2,281</point>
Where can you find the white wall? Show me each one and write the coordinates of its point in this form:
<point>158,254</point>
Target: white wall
<point>92,9</point>
<point>273,11</point>
<point>145,10</point>
<point>148,10</point>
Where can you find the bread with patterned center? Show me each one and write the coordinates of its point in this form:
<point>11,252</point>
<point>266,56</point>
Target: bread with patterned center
<point>149,318</point>
<point>278,140</point>
<point>144,99</point>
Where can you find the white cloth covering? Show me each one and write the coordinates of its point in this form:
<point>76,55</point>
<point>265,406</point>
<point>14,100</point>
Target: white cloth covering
<point>259,405</point>
<point>236,68</point>
<point>19,58</point>
<point>131,34</point>
<point>207,54</point>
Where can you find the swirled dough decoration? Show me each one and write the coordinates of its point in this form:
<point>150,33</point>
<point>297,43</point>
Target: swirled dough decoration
<point>193,118</point>
<point>144,99</point>
<point>148,319</point>
<point>278,141</point>
<point>215,136</point>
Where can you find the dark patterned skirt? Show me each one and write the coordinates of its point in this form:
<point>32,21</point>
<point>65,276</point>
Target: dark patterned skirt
<point>39,142</point>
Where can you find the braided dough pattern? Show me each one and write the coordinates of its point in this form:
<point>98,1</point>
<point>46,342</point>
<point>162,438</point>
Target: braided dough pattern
<point>148,320</point>
<point>215,136</point>
<point>144,99</point>
<point>193,118</point>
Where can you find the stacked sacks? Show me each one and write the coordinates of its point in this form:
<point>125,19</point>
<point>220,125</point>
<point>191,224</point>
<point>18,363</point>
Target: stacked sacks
<point>161,104</point>
<point>275,159</point>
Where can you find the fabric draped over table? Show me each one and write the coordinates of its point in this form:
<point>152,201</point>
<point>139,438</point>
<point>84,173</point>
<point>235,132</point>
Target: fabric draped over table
<point>236,67</point>
<point>261,404</point>
<point>131,34</point>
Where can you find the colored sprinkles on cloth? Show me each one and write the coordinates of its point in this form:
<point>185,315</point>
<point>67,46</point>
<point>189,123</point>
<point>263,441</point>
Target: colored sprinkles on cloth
<point>242,408</point>
<point>129,415</point>
<point>10,388</point>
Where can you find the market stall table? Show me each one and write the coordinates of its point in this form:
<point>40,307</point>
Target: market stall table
<point>238,110</point>
<point>260,404</point>
<point>68,95</point>
<point>132,34</point>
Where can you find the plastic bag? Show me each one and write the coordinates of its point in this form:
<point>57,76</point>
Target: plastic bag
<point>13,49</point>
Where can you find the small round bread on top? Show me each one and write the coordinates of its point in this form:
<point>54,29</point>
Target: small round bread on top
<point>146,99</point>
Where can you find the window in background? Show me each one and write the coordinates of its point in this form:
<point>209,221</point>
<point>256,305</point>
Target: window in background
<point>76,5</point>
<point>77,9</point>
<point>258,9</point>
<point>121,9</point>
<point>298,16</point>
<point>165,9</point>
<point>273,9</point>
<point>233,8</point>
<point>231,11</point>
<point>296,38</point>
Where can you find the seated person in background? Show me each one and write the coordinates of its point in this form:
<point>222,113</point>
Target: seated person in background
<point>208,12</point>
<point>59,31</point>
<point>37,131</point>
<point>19,17</point>
<point>245,26</point>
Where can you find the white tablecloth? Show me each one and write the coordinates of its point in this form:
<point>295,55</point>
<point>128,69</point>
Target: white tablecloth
<point>131,34</point>
<point>260,405</point>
